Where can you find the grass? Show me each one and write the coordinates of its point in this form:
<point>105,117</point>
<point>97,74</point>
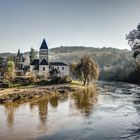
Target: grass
<point>75,82</point>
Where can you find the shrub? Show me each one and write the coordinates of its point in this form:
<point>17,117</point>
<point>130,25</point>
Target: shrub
<point>55,80</point>
<point>6,84</point>
<point>24,80</point>
<point>60,80</point>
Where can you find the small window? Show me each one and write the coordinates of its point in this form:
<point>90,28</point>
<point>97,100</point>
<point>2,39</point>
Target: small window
<point>58,68</point>
<point>43,68</point>
<point>62,68</point>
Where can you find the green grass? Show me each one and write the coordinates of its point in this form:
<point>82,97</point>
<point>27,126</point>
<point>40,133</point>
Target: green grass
<point>75,82</point>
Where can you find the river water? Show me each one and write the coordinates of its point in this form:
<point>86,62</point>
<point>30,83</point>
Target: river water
<point>108,111</point>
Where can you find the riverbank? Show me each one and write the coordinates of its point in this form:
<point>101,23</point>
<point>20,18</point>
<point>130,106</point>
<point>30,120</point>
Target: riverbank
<point>30,92</point>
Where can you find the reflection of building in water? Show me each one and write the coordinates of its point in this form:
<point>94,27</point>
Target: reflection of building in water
<point>43,111</point>
<point>63,97</point>
<point>10,112</point>
<point>85,100</point>
<point>42,105</point>
<point>56,98</point>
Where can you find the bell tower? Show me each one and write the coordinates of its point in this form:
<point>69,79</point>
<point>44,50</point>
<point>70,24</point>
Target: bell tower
<point>43,52</point>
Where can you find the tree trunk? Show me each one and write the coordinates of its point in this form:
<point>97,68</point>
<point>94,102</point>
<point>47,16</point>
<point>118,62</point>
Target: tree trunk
<point>87,80</point>
<point>84,82</point>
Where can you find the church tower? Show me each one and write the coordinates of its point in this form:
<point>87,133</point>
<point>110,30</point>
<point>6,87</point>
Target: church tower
<point>43,52</point>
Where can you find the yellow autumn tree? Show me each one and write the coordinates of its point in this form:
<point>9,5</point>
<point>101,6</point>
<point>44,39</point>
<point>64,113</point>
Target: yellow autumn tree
<point>86,69</point>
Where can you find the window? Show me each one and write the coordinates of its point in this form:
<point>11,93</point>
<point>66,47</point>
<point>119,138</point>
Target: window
<point>43,68</point>
<point>57,68</point>
<point>62,68</point>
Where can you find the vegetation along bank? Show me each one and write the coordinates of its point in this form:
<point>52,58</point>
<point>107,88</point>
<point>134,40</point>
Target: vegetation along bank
<point>26,93</point>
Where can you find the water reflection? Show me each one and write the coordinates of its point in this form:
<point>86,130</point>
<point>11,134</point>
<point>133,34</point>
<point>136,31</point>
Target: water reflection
<point>42,105</point>
<point>54,101</point>
<point>116,115</point>
<point>85,100</point>
<point>134,131</point>
<point>42,112</point>
<point>10,110</point>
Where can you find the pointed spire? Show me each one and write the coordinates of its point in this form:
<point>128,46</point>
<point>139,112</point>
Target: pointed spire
<point>18,53</point>
<point>44,44</point>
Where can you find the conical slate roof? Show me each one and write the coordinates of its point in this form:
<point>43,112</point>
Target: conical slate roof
<point>44,62</point>
<point>18,54</point>
<point>44,45</point>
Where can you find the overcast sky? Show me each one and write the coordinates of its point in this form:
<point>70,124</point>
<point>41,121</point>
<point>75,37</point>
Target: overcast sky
<point>97,23</point>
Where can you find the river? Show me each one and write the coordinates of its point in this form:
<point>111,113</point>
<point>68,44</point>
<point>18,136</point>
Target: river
<point>108,111</point>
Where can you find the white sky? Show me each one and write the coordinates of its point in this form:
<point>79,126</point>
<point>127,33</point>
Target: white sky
<point>96,23</point>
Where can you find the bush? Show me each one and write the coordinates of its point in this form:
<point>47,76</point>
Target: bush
<point>43,82</point>
<point>55,80</point>
<point>6,84</point>
<point>24,80</point>
<point>60,80</point>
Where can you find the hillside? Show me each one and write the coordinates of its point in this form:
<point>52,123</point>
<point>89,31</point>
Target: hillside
<point>103,56</point>
<point>115,64</point>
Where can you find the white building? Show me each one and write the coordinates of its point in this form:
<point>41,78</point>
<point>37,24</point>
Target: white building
<point>42,66</point>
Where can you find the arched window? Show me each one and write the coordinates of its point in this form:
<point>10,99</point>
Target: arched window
<point>43,68</point>
<point>62,68</point>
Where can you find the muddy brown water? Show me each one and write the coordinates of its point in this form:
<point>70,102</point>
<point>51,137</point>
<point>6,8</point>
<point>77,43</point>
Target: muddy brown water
<point>108,111</point>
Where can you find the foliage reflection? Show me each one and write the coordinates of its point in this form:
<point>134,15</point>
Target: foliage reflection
<point>85,100</point>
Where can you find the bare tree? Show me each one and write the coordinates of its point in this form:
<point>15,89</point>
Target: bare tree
<point>86,70</point>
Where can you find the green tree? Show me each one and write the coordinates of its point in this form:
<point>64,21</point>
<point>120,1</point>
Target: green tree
<point>0,63</point>
<point>33,54</point>
<point>86,70</point>
<point>54,72</point>
<point>134,40</point>
<point>10,71</point>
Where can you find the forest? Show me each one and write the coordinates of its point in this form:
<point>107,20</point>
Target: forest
<point>115,64</point>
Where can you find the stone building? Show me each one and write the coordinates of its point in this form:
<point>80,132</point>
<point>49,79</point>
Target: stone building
<point>22,64</point>
<point>42,66</point>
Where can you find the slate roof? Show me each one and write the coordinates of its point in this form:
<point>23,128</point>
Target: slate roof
<point>35,62</point>
<point>18,54</point>
<point>43,62</point>
<point>44,45</point>
<point>58,64</point>
<point>36,67</point>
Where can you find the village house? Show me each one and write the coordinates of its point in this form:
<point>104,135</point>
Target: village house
<point>42,66</point>
<point>22,63</point>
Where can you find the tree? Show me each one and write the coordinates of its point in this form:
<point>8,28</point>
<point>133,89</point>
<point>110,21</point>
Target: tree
<point>134,40</point>
<point>54,72</point>
<point>33,54</point>
<point>10,71</point>
<point>1,67</point>
<point>85,70</point>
